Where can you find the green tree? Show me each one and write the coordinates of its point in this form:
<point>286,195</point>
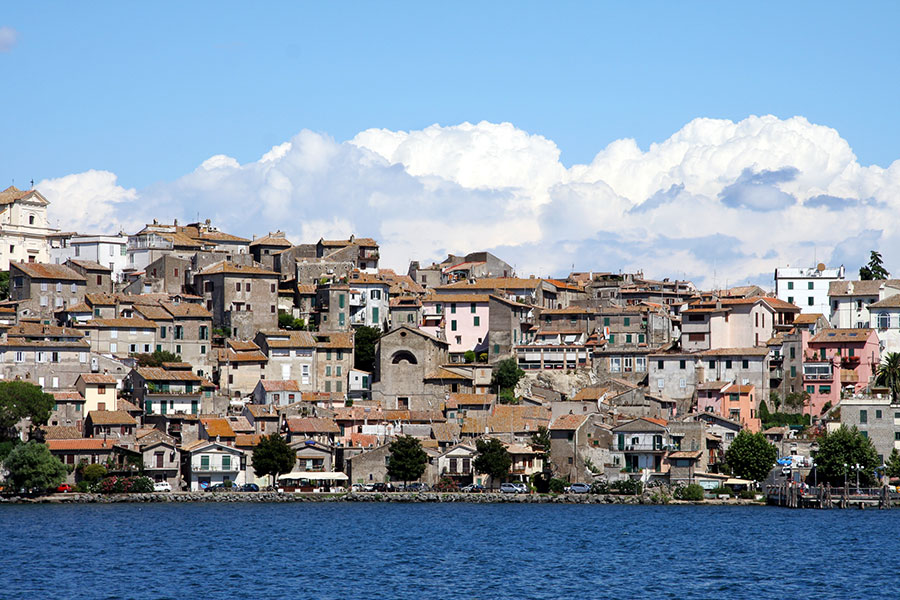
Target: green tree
<point>893,464</point>
<point>285,320</point>
<point>493,459</point>
<point>364,341</point>
<point>888,374</point>
<point>469,356</point>
<point>156,359</point>
<point>506,375</point>
<point>875,269</point>
<point>4,285</point>
<point>540,441</point>
<point>751,456</point>
<point>20,400</point>
<point>846,446</point>
<point>32,467</point>
<point>407,460</point>
<point>507,397</point>
<point>273,456</point>
<point>93,473</point>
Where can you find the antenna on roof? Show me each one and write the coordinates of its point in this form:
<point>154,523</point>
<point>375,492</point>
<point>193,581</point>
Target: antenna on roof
<point>32,183</point>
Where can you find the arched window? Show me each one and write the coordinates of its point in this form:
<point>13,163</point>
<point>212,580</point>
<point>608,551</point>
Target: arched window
<point>404,356</point>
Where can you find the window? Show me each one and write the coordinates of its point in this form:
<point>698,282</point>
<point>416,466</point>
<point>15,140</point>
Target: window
<point>341,300</point>
<point>728,364</point>
<point>884,320</point>
<point>612,339</point>
<point>472,308</point>
<point>615,364</point>
<point>226,463</point>
<point>340,355</point>
<point>328,355</point>
<point>272,288</point>
<point>824,389</point>
<point>477,321</point>
<point>790,299</point>
<point>178,349</point>
<point>660,365</point>
<point>496,348</point>
<point>237,286</point>
<point>640,338</point>
<point>327,385</point>
<point>640,364</point>
<point>627,338</point>
<point>810,389</point>
<point>790,285</point>
<point>682,364</point>
<point>629,364</point>
<point>340,386</point>
<point>453,325</point>
<point>341,319</point>
<point>793,369</point>
<point>453,308</point>
<point>59,287</point>
<point>328,371</point>
<point>338,372</point>
<point>627,321</point>
<point>606,321</point>
<point>877,414</point>
<point>745,364</point>
<point>204,332</point>
<point>810,301</point>
<point>793,353</point>
<point>162,332</point>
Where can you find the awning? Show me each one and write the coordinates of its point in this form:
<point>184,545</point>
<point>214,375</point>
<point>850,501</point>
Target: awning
<point>319,475</point>
<point>734,481</point>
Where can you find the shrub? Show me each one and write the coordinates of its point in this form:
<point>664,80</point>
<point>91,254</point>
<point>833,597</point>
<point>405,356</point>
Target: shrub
<point>600,487</point>
<point>747,495</point>
<point>627,487</point>
<point>93,473</point>
<point>445,485</point>
<point>469,356</point>
<point>125,485</point>
<point>691,492</point>
<point>557,485</point>
<point>723,490</point>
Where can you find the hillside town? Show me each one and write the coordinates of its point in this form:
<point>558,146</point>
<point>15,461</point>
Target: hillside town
<point>179,346</point>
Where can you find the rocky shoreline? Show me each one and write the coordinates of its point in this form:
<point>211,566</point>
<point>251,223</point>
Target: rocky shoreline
<point>488,498</point>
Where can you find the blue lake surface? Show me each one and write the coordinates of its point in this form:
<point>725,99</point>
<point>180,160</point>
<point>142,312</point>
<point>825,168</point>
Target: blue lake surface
<point>465,551</point>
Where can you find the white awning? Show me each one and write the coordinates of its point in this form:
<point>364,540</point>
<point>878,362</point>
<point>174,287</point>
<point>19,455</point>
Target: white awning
<point>320,475</point>
<point>734,481</point>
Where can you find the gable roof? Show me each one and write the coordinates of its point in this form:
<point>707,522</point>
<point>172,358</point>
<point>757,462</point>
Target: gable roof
<point>841,336</point>
<point>229,268</point>
<point>111,417</point>
<point>568,422</point>
<point>217,427</point>
<point>312,425</point>
<point>49,271</point>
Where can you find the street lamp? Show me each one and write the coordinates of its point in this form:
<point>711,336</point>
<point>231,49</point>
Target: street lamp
<point>857,477</point>
<point>845,477</point>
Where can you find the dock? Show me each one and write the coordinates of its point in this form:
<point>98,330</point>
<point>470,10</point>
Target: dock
<point>795,496</point>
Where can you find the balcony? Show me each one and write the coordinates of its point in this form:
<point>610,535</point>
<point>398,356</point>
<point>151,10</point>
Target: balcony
<point>818,372</point>
<point>776,373</point>
<point>358,299</point>
<point>645,447</point>
<point>233,468</point>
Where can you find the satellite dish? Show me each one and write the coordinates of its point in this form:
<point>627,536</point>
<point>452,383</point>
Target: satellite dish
<point>820,267</point>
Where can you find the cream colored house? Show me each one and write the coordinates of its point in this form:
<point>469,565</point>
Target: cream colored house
<point>98,391</point>
<point>23,227</point>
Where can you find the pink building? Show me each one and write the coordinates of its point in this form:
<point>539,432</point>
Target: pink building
<point>732,401</point>
<point>836,360</point>
<point>461,319</point>
<point>733,322</point>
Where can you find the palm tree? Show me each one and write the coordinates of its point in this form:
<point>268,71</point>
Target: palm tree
<point>888,374</point>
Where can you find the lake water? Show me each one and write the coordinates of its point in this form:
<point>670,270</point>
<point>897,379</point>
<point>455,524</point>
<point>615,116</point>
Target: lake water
<point>355,550</point>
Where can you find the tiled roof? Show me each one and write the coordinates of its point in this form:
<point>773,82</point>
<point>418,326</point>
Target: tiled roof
<point>590,393</point>
<point>217,427</point>
<point>753,351</point>
<point>58,432</point>
<point>334,341</point>
<point>261,411</point>
<point>353,241</point>
<point>276,239</point>
<point>187,310</point>
<point>456,298</point>
<point>12,193</point>
<point>289,339</point>
<point>841,336</point>
<point>568,422</point>
<point>441,373</point>
<point>100,299</point>
<point>98,378</point>
<point>312,425</point>
<point>713,385</point>
<point>240,345</point>
<point>860,288</point>
<point>157,374</point>
<point>495,283</point>
<point>67,395</point>
<point>111,417</point>
<point>229,268</point>
<point>48,271</point>
<point>889,302</point>
<point>238,357</point>
<point>735,388</point>
<point>457,400</point>
<point>81,444</point>
<point>274,385</point>
<point>809,318</point>
<point>245,440</point>
<point>120,323</point>
<point>90,265</point>
<point>445,432</point>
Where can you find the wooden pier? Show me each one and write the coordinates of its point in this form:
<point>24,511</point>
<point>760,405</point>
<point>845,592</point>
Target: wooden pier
<point>796,496</point>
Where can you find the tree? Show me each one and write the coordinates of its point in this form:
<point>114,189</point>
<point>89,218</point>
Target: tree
<point>506,374</point>
<point>4,285</point>
<point>93,473</point>
<point>751,456</point>
<point>21,400</point>
<point>540,441</point>
<point>285,320</point>
<point>32,467</point>
<point>493,459</point>
<point>156,359</point>
<point>273,456</point>
<point>888,374</point>
<point>364,341</point>
<point>507,397</point>
<point>893,464</point>
<point>875,269</point>
<point>469,356</point>
<point>846,446</point>
<point>407,459</point>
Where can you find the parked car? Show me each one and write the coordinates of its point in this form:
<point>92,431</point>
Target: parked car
<point>162,486</point>
<point>219,487</point>
<point>511,488</point>
<point>249,487</point>
<point>357,487</point>
<point>521,487</point>
<point>63,489</point>
<point>579,488</point>
<point>472,488</point>
<point>417,487</point>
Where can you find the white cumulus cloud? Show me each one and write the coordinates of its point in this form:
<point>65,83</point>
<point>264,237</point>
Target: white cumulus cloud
<point>8,38</point>
<point>718,201</point>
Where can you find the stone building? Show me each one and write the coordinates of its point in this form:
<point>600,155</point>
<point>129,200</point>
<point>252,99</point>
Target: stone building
<point>241,298</point>
<point>40,290</point>
<point>404,357</point>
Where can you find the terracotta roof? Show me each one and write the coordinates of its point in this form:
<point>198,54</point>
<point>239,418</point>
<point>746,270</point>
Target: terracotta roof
<point>69,395</point>
<point>849,376</point>
<point>90,265</point>
<point>590,393</point>
<point>363,440</point>
<point>367,279</point>
<point>238,357</point>
<point>157,374</point>
<point>100,299</point>
<point>457,400</point>
<point>261,411</point>
<point>351,242</point>
<point>48,271</point>
<point>273,385</point>
<point>247,440</point>
<point>860,288</point>
<point>229,268</point>
<point>276,239</point>
<point>289,339</point>
<point>809,318</point>
<point>445,432</point>
<point>312,425</point>
<point>98,378</point>
<point>572,310</point>
<point>240,345</point>
<point>688,454</point>
<point>889,302</point>
<point>780,305</point>
<point>111,417</point>
<point>841,336</point>
<point>735,388</point>
<point>495,283</point>
<point>187,310</point>
<point>568,422</point>
<point>441,373</point>
<point>12,193</point>
<point>217,427</point>
<point>119,323</point>
<point>713,385</point>
<point>177,366</point>
<point>128,406</point>
<point>455,298</point>
<point>406,302</point>
<point>58,432</point>
<point>82,444</point>
<point>754,351</point>
<point>334,341</point>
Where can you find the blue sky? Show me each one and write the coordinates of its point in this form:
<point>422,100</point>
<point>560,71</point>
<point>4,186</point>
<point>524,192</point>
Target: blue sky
<point>149,92</point>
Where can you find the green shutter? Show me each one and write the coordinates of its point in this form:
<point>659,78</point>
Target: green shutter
<point>341,300</point>
<point>375,314</point>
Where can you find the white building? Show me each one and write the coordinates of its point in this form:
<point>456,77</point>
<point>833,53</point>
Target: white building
<point>108,250</point>
<point>23,227</point>
<point>369,301</point>
<point>850,300</point>
<point>807,288</point>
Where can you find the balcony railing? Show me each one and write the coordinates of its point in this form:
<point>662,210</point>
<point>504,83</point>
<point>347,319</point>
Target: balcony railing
<point>215,468</point>
<point>645,447</point>
<point>776,373</point>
